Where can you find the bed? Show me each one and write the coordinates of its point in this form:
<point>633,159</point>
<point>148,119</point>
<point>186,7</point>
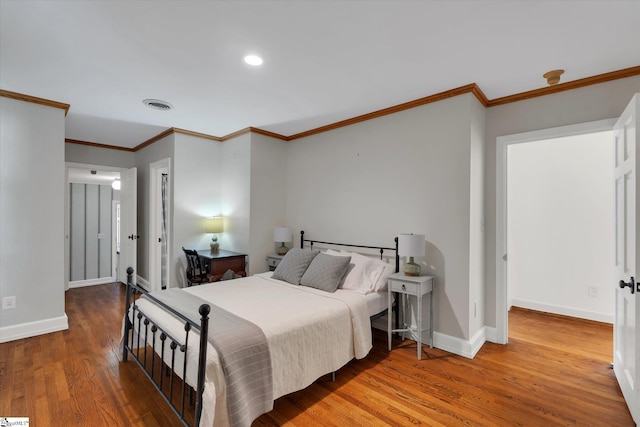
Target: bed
<point>306,331</point>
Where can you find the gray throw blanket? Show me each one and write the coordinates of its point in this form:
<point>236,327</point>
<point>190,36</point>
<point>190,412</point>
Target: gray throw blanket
<point>244,356</point>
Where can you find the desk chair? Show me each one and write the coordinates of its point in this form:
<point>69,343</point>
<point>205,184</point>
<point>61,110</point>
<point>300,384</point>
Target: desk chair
<point>196,274</point>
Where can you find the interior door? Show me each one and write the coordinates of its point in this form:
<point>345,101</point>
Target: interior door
<point>128,223</point>
<point>626,326</point>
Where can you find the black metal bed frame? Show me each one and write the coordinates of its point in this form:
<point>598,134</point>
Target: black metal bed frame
<point>380,248</point>
<point>137,319</point>
<point>156,378</point>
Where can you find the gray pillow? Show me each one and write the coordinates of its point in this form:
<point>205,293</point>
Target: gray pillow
<point>294,264</point>
<point>325,272</point>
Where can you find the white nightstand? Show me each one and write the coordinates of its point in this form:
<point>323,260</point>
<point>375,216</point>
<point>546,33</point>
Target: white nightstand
<point>413,286</point>
<point>273,260</point>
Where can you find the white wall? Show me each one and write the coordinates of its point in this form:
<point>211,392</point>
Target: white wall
<point>561,225</point>
<point>591,103</point>
<point>268,197</point>
<point>476,219</point>
<point>406,172</point>
<point>161,149</point>
<point>32,188</point>
<point>198,176</point>
<point>235,175</point>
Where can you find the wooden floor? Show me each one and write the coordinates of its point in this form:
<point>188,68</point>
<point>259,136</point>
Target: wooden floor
<point>554,371</point>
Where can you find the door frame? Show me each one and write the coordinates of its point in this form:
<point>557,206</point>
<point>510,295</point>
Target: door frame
<point>115,254</point>
<point>67,213</point>
<point>502,142</point>
<point>156,169</point>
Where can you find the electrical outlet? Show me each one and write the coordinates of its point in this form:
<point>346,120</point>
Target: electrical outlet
<point>8,303</point>
<point>592,291</point>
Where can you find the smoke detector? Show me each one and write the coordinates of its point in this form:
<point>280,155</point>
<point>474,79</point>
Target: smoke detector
<point>157,104</point>
<point>553,76</point>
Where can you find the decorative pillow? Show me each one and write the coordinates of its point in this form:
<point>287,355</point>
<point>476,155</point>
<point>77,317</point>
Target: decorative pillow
<point>325,272</point>
<point>342,254</point>
<point>294,264</point>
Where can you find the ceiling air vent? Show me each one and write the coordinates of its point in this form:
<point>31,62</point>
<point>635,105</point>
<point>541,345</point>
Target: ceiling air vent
<point>157,104</point>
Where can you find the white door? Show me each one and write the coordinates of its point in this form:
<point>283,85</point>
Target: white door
<point>626,325</point>
<point>128,223</point>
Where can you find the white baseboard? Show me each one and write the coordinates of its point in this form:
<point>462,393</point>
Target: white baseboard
<point>491,334</point>
<point>91,282</point>
<point>565,311</point>
<point>142,282</point>
<point>32,329</point>
<point>459,346</point>
<point>445,342</point>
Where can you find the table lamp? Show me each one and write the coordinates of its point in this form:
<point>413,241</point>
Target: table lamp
<point>282,234</point>
<point>411,245</point>
<point>213,225</point>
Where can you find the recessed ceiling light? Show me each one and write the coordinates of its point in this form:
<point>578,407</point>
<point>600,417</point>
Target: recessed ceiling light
<point>157,104</point>
<point>253,60</point>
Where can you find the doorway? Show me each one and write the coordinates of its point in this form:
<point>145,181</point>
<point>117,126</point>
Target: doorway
<point>503,297</point>
<point>560,226</point>
<point>90,194</point>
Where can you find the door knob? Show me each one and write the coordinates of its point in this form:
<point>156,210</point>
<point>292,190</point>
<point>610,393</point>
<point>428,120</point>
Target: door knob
<point>631,284</point>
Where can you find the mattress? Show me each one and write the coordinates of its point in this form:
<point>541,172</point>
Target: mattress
<point>310,332</point>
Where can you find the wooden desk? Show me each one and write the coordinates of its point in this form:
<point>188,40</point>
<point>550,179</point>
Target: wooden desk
<point>219,262</point>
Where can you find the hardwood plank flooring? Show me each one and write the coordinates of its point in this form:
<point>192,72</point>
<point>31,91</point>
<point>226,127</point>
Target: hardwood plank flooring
<point>554,371</point>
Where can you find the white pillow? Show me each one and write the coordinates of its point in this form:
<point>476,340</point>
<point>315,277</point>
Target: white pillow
<point>336,253</point>
<point>363,276</point>
<point>387,270</point>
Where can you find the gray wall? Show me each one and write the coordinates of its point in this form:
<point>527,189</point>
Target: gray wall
<point>90,215</point>
<point>78,153</point>
<point>159,150</point>
<point>268,197</point>
<point>32,191</point>
<point>408,172</point>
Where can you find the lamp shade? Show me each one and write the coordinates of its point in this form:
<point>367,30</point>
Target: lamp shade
<point>213,225</point>
<point>411,245</point>
<point>282,234</point>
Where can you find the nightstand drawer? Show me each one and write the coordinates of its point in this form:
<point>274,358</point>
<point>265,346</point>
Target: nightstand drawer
<point>273,262</point>
<point>410,288</point>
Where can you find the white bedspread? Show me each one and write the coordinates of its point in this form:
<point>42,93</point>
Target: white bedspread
<point>310,333</point>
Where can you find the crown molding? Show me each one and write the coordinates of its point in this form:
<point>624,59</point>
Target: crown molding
<point>251,129</point>
<point>470,88</point>
<point>198,134</point>
<point>95,144</point>
<point>574,84</point>
<point>35,100</point>
<point>153,139</point>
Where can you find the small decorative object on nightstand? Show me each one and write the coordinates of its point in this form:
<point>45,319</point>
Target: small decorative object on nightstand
<point>411,245</point>
<point>213,225</point>
<point>273,260</point>
<point>411,286</point>
<point>282,235</point>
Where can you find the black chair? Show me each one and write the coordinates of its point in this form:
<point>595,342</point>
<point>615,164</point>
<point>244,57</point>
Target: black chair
<point>196,273</point>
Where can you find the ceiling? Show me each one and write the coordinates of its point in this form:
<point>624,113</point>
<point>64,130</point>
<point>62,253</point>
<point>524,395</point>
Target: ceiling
<point>324,61</point>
